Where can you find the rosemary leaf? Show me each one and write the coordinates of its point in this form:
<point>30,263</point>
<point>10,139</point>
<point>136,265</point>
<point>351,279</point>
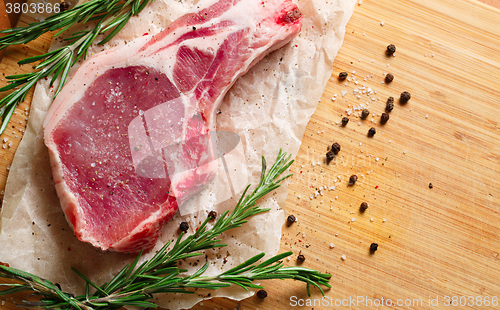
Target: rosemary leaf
<point>58,63</point>
<point>135,285</point>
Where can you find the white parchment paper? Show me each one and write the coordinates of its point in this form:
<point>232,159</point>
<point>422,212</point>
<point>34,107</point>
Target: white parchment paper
<point>269,107</point>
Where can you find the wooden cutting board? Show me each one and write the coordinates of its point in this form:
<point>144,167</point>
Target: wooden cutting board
<point>434,243</point>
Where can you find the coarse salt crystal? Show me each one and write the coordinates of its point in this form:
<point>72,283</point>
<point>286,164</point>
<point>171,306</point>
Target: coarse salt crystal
<point>381,23</point>
<point>332,245</point>
<point>383,220</point>
<point>343,256</point>
<point>343,92</point>
<point>353,219</point>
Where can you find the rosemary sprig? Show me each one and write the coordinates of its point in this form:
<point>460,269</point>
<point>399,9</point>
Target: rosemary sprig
<point>109,14</point>
<point>135,285</point>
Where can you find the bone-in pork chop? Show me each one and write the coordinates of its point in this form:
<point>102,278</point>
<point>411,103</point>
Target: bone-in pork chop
<point>128,135</point>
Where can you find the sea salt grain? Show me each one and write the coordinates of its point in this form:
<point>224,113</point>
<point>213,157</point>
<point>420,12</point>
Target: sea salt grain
<point>332,245</point>
<point>343,257</point>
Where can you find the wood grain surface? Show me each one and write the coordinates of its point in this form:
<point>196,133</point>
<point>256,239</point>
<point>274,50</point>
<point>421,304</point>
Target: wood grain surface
<point>433,242</point>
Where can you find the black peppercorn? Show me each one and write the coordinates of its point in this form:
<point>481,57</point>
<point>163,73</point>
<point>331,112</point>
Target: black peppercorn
<point>63,6</point>
<point>391,49</point>
<point>353,179</point>
<point>373,247</point>
<point>301,258</point>
<point>405,97</point>
<point>371,132</point>
<point>329,156</point>
<point>430,185</point>
<point>389,77</point>
<point>345,120</point>
<point>184,226</point>
<point>363,207</point>
<point>384,118</point>
<point>390,104</point>
<point>343,75</point>
<point>291,219</point>
<point>261,294</point>
<point>336,148</point>
<point>365,113</point>
<point>212,215</point>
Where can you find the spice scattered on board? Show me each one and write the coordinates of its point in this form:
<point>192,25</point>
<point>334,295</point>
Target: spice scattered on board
<point>212,215</point>
<point>405,97</point>
<point>335,148</point>
<point>373,247</point>
<point>353,179</point>
<point>365,113</point>
<point>343,75</point>
<point>389,77</point>
<point>391,49</point>
<point>301,258</point>
<point>384,118</point>
<point>291,219</point>
<point>261,294</point>
<point>184,226</point>
<point>363,207</point>
<point>390,104</point>
<point>329,156</point>
<point>430,185</point>
<point>372,131</point>
<point>345,120</point>
<point>64,6</point>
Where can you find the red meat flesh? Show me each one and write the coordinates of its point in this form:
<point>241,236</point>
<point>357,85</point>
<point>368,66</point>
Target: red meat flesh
<point>128,135</point>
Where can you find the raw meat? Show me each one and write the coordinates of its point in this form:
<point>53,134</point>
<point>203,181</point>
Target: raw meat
<point>128,137</point>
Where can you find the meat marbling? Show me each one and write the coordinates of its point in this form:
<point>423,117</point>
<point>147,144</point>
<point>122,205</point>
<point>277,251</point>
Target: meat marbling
<point>128,135</point>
